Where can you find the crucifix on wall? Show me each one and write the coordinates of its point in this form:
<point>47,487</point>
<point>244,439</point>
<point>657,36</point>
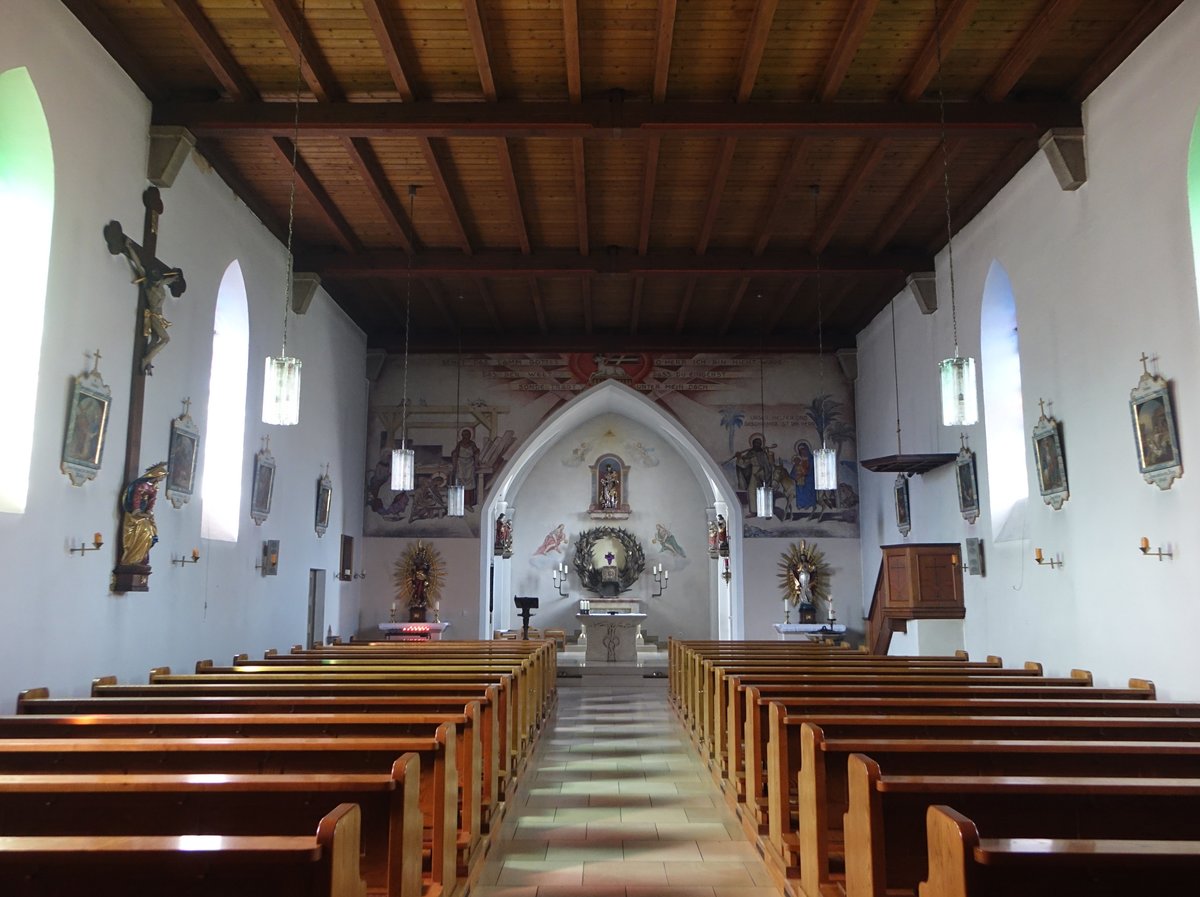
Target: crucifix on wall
<point>153,278</point>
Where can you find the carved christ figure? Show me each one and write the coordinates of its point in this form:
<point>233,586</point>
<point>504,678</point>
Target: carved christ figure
<point>153,279</point>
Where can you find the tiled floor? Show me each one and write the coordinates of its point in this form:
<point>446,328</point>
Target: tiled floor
<point>616,804</point>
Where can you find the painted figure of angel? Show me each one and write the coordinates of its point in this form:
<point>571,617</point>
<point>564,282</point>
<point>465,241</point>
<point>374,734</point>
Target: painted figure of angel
<point>554,540</point>
<point>666,541</point>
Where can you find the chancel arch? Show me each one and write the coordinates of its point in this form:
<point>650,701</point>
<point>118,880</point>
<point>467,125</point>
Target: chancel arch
<point>549,491</point>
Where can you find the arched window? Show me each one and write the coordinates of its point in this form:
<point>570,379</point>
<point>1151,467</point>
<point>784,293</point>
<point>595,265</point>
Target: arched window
<point>1004,420</point>
<point>225,425</point>
<point>27,201</point>
<point>1194,195</point>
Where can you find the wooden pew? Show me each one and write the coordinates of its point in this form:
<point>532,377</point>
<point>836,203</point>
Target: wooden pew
<point>314,754</point>
<point>885,845</point>
<point>119,866</point>
<point>823,788</point>
<point>963,864</point>
<point>230,805</point>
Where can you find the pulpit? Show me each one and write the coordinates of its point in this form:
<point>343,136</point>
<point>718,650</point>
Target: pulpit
<point>611,637</point>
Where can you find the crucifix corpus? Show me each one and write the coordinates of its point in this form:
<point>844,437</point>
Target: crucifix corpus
<point>154,278</point>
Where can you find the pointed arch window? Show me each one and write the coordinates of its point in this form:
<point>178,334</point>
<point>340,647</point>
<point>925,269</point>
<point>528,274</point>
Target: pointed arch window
<point>1004,418</point>
<point>27,198</point>
<point>225,420</point>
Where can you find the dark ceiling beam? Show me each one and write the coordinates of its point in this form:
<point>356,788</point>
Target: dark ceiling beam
<point>864,167</point>
<point>387,34</point>
<point>489,304</point>
<point>579,171</point>
<point>429,152</point>
<point>635,306</point>
<point>924,68</point>
<point>735,305</point>
<point>664,37</point>
<point>439,302</point>
<point>241,188</point>
<point>792,168</point>
<point>1151,15</point>
<point>604,120</point>
<point>754,47</point>
<point>539,305</point>
<point>585,299</point>
<point>568,263</point>
<point>303,47</point>
<point>479,47</point>
<point>649,176</point>
<point>203,36</point>
<point>983,192</point>
<point>571,49</point>
<point>307,180</point>
<point>685,304</point>
<point>115,44</point>
<point>509,175</point>
<point>783,303</point>
<point>375,180</point>
<point>616,341</point>
<point>1028,47</point>
<point>724,163</point>
<point>858,17</point>
<point>930,175</point>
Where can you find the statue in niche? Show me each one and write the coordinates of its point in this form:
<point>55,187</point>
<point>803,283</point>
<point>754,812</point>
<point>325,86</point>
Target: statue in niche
<point>139,531</point>
<point>609,495</point>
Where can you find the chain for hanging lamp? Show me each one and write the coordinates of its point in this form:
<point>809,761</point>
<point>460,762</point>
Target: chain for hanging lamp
<point>281,375</point>
<point>404,459</point>
<point>824,458</point>
<point>456,493</point>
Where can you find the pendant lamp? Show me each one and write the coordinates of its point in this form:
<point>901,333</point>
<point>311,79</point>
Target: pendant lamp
<point>281,375</point>
<point>456,493</point>
<point>824,458</point>
<point>764,497</point>
<point>404,466</point>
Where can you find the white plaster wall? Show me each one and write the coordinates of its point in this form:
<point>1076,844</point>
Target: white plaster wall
<point>63,625</point>
<point>1100,276</point>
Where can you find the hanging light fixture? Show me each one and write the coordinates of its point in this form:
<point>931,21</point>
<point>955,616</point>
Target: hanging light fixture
<point>960,396</point>
<point>764,497</point>
<point>456,493</point>
<point>404,459</point>
<point>281,375</point>
<point>824,458</point>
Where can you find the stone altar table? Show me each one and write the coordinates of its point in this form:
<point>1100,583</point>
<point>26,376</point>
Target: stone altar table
<point>611,637</point>
<point>809,631</point>
<point>413,632</point>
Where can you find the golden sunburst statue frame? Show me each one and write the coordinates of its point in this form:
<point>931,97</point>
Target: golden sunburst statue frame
<point>799,559</point>
<point>417,575</point>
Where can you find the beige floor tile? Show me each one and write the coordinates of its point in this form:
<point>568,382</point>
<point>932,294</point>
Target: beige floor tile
<point>624,872</point>
<point>726,851</point>
<point>693,831</point>
<point>526,872</point>
<point>707,873</point>
<point>587,852</point>
<point>693,891</point>
<point>662,850</point>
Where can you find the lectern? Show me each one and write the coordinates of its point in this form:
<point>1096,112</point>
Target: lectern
<point>526,603</point>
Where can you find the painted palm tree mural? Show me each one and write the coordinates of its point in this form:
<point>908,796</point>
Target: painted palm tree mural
<point>732,420</point>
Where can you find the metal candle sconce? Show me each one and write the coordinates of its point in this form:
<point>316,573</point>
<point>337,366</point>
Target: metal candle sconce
<point>97,544</point>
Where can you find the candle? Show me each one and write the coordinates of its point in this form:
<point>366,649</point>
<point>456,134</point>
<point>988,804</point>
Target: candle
<point>195,554</point>
<point>393,607</point>
<point>666,574</point>
<point>97,540</point>
<point>1145,544</point>
<point>1037,554</point>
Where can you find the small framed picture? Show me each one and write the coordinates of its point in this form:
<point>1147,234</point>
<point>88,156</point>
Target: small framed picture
<point>903,511</point>
<point>263,486</point>
<point>181,460</point>
<point>1154,431</point>
<point>87,424</point>
<point>1050,461</point>
<point>324,503</point>
<point>968,485</point>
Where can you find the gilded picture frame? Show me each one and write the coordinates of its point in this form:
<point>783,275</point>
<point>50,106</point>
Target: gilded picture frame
<point>967,480</point>
<point>182,455</point>
<point>87,426</point>
<point>1050,462</point>
<point>903,508</point>
<point>263,486</point>
<point>1155,437</point>
<point>324,504</point>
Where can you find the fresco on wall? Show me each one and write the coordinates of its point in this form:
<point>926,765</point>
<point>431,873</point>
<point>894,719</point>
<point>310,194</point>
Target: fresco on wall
<point>716,397</point>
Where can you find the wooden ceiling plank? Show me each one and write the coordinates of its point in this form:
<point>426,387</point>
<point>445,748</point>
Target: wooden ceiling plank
<point>783,303</point>
<point>311,184</point>
<point>480,48</point>
<point>685,304</point>
<point>635,309</point>
<point>371,171</point>
<point>579,170</point>
<point>387,34</point>
<point>956,17</point>
<point>489,304</point>
<point>649,176</point>
<point>429,151</point>
<point>509,175</point>
<point>1150,17</point>
<point>929,176</point>
<point>756,44</point>
<point>864,167</point>
<point>981,194</point>
<point>664,38</point>
<point>305,52</point>
<point>604,120</point>
<point>585,297</point>
<point>228,172</point>
<point>735,305</point>
<point>539,306</point>
<point>616,341</point>
<point>797,154</point>
<point>858,17</point>
<point>571,49</point>
<point>1051,17</point>
<point>203,36</point>
<point>715,193</point>
<point>116,45</point>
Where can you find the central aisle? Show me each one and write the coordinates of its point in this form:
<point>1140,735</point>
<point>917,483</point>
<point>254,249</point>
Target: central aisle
<point>617,804</point>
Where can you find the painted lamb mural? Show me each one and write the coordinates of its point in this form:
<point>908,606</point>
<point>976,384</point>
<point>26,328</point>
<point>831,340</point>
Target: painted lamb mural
<point>505,398</point>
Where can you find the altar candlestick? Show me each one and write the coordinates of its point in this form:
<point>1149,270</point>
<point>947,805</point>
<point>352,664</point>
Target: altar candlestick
<point>1145,543</point>
<point>1037,555</point>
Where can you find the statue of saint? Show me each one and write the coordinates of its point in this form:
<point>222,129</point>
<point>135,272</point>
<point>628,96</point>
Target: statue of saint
<point>610,488</point>
<point>138,529</point>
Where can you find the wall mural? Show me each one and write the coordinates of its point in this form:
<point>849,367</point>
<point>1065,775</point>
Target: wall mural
<point>714,396</point>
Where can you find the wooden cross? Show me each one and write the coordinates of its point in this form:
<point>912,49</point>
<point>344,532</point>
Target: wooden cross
<point>962,438</point>
<point>96,362</point>
<point>1143,360</point>
<point>1042,407</point>
<point>187,406</point>
<point>153,277</point>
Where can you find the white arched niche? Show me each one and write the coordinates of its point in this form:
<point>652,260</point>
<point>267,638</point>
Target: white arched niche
<point>610,397</point>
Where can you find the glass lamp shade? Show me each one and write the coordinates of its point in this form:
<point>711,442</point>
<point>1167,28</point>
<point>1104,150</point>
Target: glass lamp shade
<point>281,391</point>
<point>403,469</point>
<point>456,500</point>
<point>960,402</point>
<point>764,499</point>
<point>825,465</point>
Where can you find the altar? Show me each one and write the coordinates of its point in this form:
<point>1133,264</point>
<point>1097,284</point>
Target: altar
<point>809,631</point>
<point>413,632</point>
<point>610,637</point>
<point>620,605</point>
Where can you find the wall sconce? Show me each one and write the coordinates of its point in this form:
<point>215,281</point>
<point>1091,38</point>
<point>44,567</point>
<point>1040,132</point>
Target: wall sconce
<point>1145,549</point>
<point>662,578</point>
<point>361,574</point>
<point>269,565</point>
<point>560,579</point>
<point>1053,563</point>
<point>97,544</point>
<point>194,559</point>
<point>726,574</point>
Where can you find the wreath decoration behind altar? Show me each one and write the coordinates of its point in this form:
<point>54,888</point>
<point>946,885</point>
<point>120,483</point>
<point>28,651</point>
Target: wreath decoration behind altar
<point>589,574</point>
<point>800,558</point>
<point>418,575</point>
